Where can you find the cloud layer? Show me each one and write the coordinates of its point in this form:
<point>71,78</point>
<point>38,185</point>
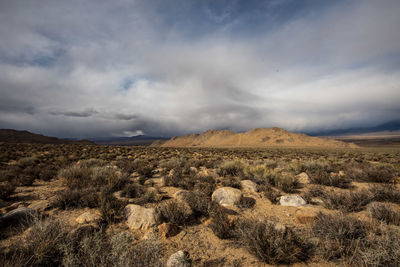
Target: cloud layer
<point>99,68</point>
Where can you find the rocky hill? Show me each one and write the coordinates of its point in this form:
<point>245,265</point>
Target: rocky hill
<point>259,137</point>
<point>14,136</point>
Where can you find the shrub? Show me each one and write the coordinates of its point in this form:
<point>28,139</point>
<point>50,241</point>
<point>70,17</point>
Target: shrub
<point>286,182</point>
<point>323,177</point>
<point>385,192</point>
<point>119,250</point>
<point>76,199</point>
<point>231,181</point>
<point>382,249</point>
<point>6,189</point>
<point>198,202</point>
<point>220,224</point>
<point>270,193</point>
<point>365,172</point>
<point>384,212</point>
<point>272,244</point>
<point>339,235</point>
<point>257,173</point>
<point>230,168</point>
<point>48,172</point>
<point>246,202</point>
<point>41,246</point>
<point>80,176</point>
<point>352,201</point>
<point>174,211</point>
<point>110,207</point>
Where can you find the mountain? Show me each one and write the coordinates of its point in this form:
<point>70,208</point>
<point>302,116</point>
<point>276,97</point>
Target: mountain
<point>139,140</point>
<point>15,136</point>
<point>259,137</point>
<point>384,127</point>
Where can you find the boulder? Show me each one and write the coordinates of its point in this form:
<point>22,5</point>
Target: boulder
<point>140,218</point>
<point>305,215</point>
<point>303,178</point>
<point>227,196</point>
<point>292,201</point>
<point>17,217</point>
<point>91,216</point>
<point>166,230</point>
<point>249,186</point>
<point>179,259</point>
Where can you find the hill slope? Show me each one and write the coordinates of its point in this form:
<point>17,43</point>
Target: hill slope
<point>14,136</point>
<point>260,137</point>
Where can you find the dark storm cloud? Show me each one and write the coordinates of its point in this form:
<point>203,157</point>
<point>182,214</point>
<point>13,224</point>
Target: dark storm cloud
<point>81,114</point>
<point>98,68</point>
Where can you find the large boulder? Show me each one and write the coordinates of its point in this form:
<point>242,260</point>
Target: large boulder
<point>179,259</point>
<point>292,201</point>
<point>141,218</point>
<point>17,217</point>
<point>227,196</point>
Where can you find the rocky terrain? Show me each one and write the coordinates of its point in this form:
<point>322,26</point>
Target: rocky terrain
<point>77,205</point>
<point>260,137</point>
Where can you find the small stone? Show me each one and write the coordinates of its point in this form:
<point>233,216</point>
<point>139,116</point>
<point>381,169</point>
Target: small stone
<point>292,201</point>
<point>249,185</point>
<point>92,216</point>
<point>179,259</point>
<point>166,230</point>
<point>227,196</point>
<point>140,218</point>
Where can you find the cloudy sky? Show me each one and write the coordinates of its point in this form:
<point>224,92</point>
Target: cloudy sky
<point>90,68</point>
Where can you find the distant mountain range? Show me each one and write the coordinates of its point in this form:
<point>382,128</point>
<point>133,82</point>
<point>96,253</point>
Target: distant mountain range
<point>387,126</point>
<point>260,137</point>
<point>15,136</point>
<point>139,140</point>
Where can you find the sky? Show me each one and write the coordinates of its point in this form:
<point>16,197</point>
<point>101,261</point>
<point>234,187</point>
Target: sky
<point>96,68</point>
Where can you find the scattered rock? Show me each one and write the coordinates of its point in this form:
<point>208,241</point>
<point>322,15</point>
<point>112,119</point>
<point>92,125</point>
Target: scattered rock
<point>305,215</point>
<point>227,196</point>
<point>292,201</point>
<point>166,230</point>
<point>249,185</point>
<point>179,259</point>
<point>303,178</point>
<point>17,217</point>
<point>139,217</point>
<point>91,216</point>
<point>193,169</point>
<point>41,205</point>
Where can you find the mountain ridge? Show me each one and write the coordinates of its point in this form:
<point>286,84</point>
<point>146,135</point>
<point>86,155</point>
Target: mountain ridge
<point>16,136</point>
<point>257,137</point>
